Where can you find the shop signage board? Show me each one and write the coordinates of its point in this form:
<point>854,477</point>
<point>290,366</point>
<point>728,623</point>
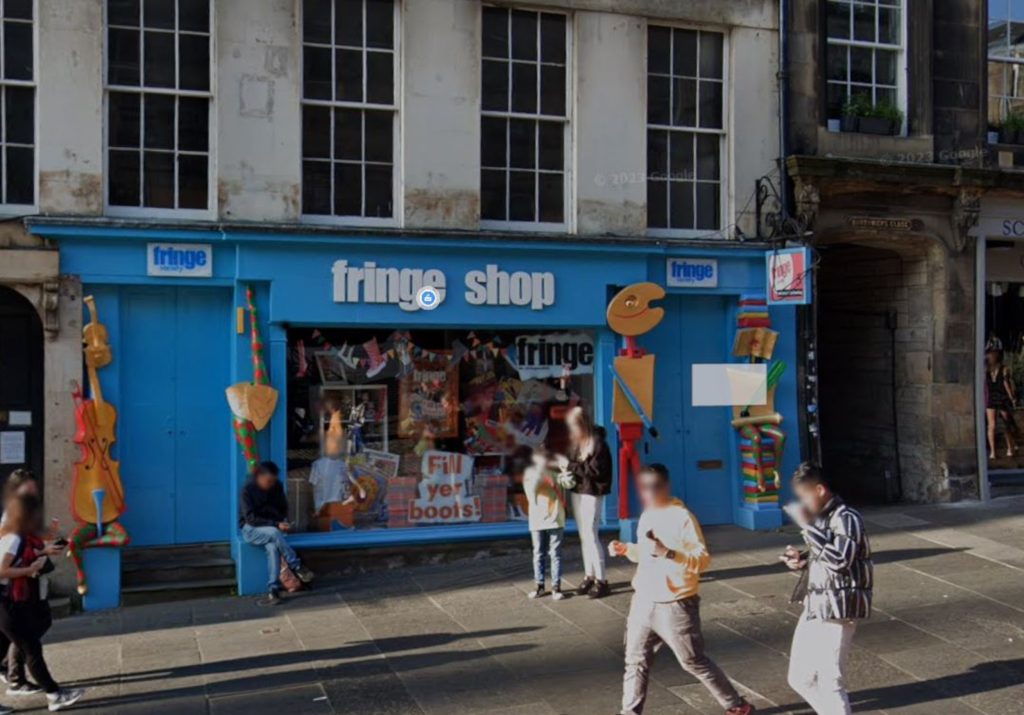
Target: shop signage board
<point>789,276</point>
<point>553,355</point>
<point>692,273</point>
<point>179,260</point>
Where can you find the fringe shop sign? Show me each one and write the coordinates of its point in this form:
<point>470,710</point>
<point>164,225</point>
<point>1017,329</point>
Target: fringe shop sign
<point>444,495</point>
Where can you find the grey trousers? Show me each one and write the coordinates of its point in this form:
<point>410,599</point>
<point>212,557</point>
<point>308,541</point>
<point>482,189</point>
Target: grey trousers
<point>676,625</point>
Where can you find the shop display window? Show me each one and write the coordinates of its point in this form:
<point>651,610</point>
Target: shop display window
<point>414,428</point>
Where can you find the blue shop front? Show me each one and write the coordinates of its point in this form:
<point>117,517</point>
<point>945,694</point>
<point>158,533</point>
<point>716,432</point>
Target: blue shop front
<point>408,369</point>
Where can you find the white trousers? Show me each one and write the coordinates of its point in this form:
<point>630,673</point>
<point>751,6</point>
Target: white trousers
<point>588,509</point>
<point>817,664</point>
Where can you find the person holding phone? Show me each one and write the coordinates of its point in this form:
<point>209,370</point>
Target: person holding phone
<point>264,522</point>
<point>671,555</point>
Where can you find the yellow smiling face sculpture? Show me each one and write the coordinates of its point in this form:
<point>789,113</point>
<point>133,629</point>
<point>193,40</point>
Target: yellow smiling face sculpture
<point>630,313</point>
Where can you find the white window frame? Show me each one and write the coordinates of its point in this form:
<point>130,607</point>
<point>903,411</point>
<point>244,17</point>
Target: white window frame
<point>901,55</point>
<point>397,202</point>
<point>1017,63</point>
<point>725,134</point>
<point>567,225</point>
<point>13,209</point>
<point>210,211</point>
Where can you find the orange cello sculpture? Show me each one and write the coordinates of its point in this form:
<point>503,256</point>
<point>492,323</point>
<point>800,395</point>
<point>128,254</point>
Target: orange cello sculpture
<point>97,494</point>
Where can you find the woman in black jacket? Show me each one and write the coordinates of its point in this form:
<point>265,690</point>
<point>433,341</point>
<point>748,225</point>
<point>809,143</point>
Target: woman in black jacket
<point>590,462</point>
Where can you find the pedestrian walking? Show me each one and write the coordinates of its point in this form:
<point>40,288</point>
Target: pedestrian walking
<point>545,497</point>
<point>590,462</point>
<point>671,555</point>
<point>835,589</point>
<point>264,522</point>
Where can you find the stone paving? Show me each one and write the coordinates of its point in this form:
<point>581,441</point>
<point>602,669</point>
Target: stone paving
<point>463,639</point>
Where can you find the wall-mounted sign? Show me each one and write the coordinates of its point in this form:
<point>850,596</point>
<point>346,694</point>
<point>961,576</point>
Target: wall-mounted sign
<point>179,260</point>
<point>413,289</point>
<point>789,276</point>
<point>883,223</point>
<point>553,355</point>
<point>692,273</point>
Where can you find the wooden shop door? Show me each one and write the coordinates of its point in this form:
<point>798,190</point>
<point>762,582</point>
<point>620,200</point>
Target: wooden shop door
<point>21,385</point>
<point>175,430</point>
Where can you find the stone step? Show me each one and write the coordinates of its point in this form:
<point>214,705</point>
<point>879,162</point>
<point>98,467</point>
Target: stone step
<point>172,573</point>
<point>179,591</point>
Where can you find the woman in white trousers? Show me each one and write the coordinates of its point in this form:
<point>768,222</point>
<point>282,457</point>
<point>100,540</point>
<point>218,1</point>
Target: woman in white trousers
<point>590,462</point>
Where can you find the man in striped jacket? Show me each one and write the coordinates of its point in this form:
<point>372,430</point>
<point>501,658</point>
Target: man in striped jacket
<point>835,589</point>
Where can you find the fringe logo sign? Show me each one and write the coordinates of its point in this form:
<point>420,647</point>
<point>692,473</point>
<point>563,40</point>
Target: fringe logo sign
<point>789,276</point>
<point>444,492</point>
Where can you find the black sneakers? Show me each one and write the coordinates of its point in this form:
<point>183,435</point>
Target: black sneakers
<point>584,588</point>
<point>273,598</point>
<point>601,589</point>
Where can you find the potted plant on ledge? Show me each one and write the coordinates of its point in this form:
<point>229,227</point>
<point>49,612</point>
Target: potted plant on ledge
<point>1012,130</point>
<point>855,107</point>
<point>883,118</point>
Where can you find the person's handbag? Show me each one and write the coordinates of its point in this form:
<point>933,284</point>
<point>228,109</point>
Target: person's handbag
<point>289,581</point>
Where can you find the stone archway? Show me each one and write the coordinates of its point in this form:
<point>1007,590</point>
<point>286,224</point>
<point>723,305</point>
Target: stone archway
<point>22,417</point>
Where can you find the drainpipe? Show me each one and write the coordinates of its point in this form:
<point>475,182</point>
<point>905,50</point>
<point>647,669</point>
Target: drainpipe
<point>783,83</point>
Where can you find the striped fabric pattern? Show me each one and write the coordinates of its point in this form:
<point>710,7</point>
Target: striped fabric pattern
<point>841,574</point>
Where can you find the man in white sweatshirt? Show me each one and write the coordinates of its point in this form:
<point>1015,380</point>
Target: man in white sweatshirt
<point>671,555</point>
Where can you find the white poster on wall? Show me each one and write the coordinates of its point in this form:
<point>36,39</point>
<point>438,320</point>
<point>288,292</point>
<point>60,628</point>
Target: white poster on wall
<point>12,447</point>
<point>444,492</point>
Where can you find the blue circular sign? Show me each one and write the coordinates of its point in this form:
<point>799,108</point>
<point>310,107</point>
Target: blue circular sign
<point>428,298</point>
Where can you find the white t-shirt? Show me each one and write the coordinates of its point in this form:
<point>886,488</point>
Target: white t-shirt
<point>9,544</point>
<point>329,477</point>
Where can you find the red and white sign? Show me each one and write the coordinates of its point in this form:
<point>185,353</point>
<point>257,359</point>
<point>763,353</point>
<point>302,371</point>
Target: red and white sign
<point>789,276</point>
<point>444,492</point>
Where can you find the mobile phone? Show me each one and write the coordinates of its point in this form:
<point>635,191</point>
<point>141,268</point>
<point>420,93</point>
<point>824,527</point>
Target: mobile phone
<point>61,542</point>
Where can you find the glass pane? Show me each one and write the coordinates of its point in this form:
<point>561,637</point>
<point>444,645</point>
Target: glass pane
<point>711,55</point>
<point>348,75</point>
<point>316,187</point>
<point>124,119</point>
<point>316,132</point>
<point>680,163</point>
<point>348,23</point>
<point>835,100</point>
<point>552,38</point>
<point>708,157</point>
<point>659,50</point>
<point>550,198</point>
<point>838,14</point>
<point>552,90</point>
<point>377,200</point>
<point>380,78</point>
<point>711,105</point>
<point>659,102</point>
<point>193,124</point>
<point>524,87</point>
<point>657,204</point>
<point>889,29</point>
<point>495,39</point>
<point>885,67</point>
<point>316,21</point>
<point>492,195</point>
<point>380,21</point>
<point>123,57</point>
<point>552,150</point>
<point>522,143</point>
<point>194,15</point>
<point>20,175</point>
<point>158,14</point>
<point>21,9</point>
<point>158,125</point>
<point>379,136</point>
<point>19,115</point>
<point>17,50</point>
<point>522,196</point>
<point>119,12</point>
<point>348,134</point>
<point>193,180</point>
<point>348,189</point>
<point>684,53</point>
<point>657,153</point>
<point>680,204</point>
<point>885,95</point>
<point>860,64</point>
<point>123,181</point>
<point>316,72</point>
<point>684,102</point>
<point>495,85</point>
<point>707,207</point>
<point>194,59</point>
<point>837,62</point>
<point>864,23</point>
<point>159,59</point>
<point>158,179</point>
<point>493,139</point>
<point>524,35</point>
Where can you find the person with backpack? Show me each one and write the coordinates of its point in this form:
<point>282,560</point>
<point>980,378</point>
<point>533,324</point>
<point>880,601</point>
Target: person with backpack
<point>24,613</point>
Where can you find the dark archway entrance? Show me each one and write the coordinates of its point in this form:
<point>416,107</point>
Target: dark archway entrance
<point>21,385</point>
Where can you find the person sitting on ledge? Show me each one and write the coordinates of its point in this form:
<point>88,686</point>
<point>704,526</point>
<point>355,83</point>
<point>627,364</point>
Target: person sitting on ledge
<point>264,522</point>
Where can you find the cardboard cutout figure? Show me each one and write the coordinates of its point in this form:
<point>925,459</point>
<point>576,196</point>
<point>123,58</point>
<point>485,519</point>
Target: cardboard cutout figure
<point>630,314</point>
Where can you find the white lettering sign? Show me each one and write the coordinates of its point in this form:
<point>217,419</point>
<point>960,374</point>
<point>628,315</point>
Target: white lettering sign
<point>179,260</point>
<point>493,286</point>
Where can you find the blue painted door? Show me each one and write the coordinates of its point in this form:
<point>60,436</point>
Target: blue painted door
<point>175,431</point>
<point>695,441</point>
